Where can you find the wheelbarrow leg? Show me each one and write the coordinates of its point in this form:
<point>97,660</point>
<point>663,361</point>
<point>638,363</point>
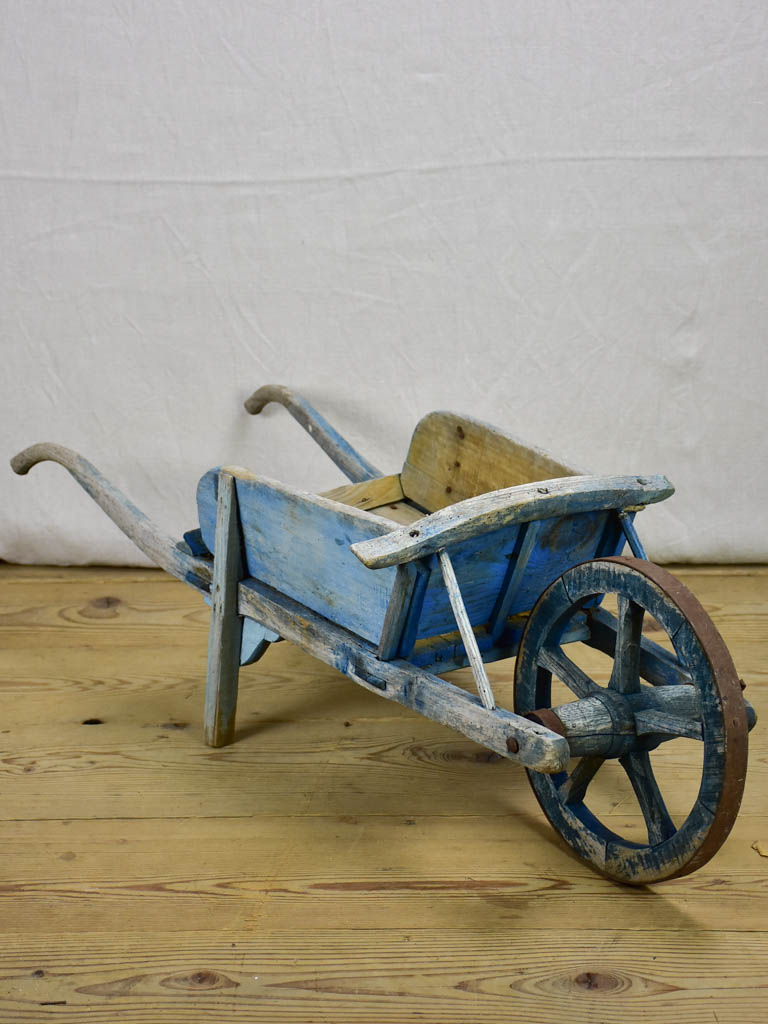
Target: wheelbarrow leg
<point>225,636</point>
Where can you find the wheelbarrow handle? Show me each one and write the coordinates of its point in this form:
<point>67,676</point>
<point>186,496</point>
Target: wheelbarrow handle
<point>350,462</point>
<point>173,556</point>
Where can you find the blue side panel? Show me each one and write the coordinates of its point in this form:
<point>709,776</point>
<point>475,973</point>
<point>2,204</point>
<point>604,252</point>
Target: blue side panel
<point>302,549</point>
<point>481,563</point>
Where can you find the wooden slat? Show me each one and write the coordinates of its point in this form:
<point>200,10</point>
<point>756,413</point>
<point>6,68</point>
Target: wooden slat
<point>380,976</point>
<point>402,512</point>
<point>498,730</point>
<point>369,494</point>
<point>186,876</point>
<point>383,495</point>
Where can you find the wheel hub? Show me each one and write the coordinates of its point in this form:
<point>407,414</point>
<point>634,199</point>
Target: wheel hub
<point>609,724</point>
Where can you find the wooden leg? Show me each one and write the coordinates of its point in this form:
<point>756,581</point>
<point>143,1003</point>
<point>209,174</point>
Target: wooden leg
<point>225,637</point>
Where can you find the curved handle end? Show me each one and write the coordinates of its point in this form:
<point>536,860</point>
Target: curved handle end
<point>266,394</point>
<point>29,457</point>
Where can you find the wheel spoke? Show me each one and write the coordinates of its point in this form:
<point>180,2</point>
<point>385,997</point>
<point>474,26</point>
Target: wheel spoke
<point>573,790</point>
<point>559,664</point>
<point>637,765</point>
<point>625,677</point>
<point>663,724</point>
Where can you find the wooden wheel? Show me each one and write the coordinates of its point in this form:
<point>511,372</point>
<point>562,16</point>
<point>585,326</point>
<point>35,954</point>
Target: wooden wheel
<point>653,696</point>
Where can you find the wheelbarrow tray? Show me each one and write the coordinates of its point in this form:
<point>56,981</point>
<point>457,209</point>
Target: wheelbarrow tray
<point>304,545</point>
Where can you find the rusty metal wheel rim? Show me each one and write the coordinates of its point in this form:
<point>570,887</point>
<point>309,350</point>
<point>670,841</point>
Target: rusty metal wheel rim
<point>727,727</point>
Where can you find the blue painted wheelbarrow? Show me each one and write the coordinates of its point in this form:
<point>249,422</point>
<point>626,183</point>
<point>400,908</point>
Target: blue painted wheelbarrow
<point>481,548</point>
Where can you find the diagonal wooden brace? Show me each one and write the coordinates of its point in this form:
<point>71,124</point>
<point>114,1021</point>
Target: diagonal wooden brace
<point>466,631</point>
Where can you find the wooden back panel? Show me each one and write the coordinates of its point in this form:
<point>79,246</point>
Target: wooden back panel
<point>454,457</point>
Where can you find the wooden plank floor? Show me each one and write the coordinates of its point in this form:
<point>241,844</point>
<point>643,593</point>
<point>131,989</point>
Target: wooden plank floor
<point>345,860</point>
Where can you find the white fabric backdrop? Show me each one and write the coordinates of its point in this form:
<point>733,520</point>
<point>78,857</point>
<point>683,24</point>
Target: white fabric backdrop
<point>549,215</point>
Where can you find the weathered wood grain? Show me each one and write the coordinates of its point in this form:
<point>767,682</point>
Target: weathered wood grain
<point>594,727</point>
<point>454,457</point>
<point>382,495</point>
<point>226,629</point>
<point>369,494</point>
<point>402,512</point>
<point>388,977</point>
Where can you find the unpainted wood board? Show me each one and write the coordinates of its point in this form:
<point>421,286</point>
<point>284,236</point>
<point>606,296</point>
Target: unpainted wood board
<point>388,977</point>
<point>93,784</point>
<point>132,611</point>
<point>402,512</point>
<point>369,494</point>
<point>734,581</point>
<point>452,457</point>
<point>99,771</point>
<point>423,848</point>
<point>151,608</point>
<point>384,497</point>
<point>347,872</point>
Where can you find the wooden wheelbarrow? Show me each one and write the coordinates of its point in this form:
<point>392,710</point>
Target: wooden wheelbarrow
<point>481,548</point>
